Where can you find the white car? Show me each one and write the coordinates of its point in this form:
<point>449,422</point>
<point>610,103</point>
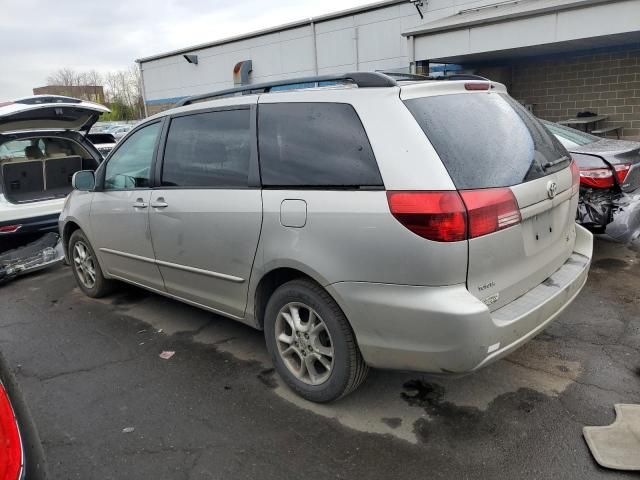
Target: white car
<point>120,132</point>
<point>104,142</point>
<point>41,147</point>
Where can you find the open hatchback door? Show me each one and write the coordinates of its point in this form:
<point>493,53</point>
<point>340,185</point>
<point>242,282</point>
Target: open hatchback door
<point>49,112</point>
<point>42,144</point>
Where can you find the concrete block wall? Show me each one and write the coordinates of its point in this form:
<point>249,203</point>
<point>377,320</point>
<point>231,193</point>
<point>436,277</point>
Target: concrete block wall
<point>603,83</point>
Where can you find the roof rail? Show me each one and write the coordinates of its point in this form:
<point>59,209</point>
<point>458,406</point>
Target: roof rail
<point>361,79</point>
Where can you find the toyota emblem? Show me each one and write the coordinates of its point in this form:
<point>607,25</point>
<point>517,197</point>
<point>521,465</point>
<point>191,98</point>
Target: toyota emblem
<point>552,189</point>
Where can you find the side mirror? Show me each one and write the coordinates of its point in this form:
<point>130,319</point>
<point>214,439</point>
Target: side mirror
<point>84,180</point>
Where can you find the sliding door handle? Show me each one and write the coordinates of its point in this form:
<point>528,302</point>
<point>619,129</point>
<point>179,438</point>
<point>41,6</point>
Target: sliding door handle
<point>159,203</point>
<point>140,204</point>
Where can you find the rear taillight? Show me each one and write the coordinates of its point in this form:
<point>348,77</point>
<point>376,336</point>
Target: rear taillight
<point>10,228</point>
<point>621,171</point>
<point>596,177</point>
<point>438,216</point>
<point>575,177</point>
<point>490,210</point>
<point>450,216</point>
<point>10,444</point>
<point>604,177</point>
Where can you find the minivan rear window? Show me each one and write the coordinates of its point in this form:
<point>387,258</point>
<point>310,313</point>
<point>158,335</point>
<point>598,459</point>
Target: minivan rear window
<point>487,139</point>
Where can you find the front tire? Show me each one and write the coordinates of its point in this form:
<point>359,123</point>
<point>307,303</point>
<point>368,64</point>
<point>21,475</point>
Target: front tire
<point>86,268</point>
<point>311,342</point>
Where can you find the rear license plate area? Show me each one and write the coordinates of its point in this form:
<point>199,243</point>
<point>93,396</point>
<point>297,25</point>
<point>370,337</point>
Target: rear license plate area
<point>542,226</point>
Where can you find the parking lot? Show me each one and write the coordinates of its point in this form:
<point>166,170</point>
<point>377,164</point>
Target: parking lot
<point>107,406</point>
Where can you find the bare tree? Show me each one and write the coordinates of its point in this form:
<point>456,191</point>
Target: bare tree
<point>92,77</point>
<point>124,87</point>
<point>66,77</point>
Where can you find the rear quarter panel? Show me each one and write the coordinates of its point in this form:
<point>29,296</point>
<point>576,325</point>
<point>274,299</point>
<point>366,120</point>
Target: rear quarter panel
<point>352,236</point>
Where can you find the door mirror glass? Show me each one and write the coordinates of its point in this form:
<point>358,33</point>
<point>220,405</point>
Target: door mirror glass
<point>84,180</point>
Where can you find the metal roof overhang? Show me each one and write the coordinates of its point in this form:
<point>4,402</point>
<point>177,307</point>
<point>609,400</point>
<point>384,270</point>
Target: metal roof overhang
<point>300,23</point>
<point>521,28</point>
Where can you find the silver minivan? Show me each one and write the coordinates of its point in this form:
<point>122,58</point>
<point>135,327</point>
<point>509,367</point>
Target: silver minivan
<point>358,220</point>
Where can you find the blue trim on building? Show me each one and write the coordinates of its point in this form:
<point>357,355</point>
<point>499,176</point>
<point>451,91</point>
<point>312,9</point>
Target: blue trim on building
<point>447,67</point>
<point>159,101</point>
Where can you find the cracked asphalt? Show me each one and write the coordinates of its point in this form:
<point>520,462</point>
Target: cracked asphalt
<point>107,407</point>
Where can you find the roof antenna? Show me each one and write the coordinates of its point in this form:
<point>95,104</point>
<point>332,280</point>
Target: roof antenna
<point>418,4</point>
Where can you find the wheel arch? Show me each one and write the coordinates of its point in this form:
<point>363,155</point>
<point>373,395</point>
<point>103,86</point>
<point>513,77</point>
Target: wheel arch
<point>274,278</point>
<point>69,227</point>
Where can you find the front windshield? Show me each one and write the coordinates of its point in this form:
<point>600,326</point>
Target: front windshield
<point>570,137</point>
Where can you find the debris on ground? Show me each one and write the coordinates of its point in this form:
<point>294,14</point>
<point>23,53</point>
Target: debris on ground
<point>167,354</point>
<point>128,430</point>
<point>41,253</point>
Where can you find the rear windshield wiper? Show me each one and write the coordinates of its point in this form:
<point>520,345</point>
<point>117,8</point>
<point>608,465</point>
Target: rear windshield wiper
<point>553,163</point>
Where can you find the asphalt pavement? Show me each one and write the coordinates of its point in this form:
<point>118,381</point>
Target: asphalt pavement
<point>108,407</point>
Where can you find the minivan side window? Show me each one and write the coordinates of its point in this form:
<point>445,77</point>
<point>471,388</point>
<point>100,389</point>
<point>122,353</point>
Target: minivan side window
<point>130,165</point>
<point>210,149</point>
<point>314,145</point>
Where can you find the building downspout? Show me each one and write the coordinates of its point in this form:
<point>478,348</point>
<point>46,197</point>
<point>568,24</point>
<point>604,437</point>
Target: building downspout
<point>355,48</point>
<point>315,47</point>
<point>412,53</point>
<point>144,94</point>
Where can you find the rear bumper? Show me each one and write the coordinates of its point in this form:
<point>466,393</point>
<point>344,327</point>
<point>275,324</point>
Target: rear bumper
<point>33,217</point>
<point>39,224</point>
<point>448,330</point>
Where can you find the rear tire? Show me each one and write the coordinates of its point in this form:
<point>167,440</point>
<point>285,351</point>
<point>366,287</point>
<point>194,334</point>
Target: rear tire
<point>311,342</point>
<point>86,268</point>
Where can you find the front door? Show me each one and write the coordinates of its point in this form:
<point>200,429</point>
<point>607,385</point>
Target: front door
<point>120,211</point>
<point>205,219</point>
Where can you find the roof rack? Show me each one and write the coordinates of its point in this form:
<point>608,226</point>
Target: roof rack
<point>361,79</point>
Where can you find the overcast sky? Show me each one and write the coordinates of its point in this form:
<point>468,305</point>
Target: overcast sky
<point>38,37</point>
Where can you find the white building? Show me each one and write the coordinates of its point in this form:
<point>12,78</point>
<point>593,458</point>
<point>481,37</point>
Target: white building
<point>560,56</point>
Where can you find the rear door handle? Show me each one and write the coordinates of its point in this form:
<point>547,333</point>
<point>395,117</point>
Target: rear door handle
<point>140,204</point>
<point>159,203</point>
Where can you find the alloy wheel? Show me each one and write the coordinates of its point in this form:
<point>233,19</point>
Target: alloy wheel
<point>84,264</point>
<point>304,343</point>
